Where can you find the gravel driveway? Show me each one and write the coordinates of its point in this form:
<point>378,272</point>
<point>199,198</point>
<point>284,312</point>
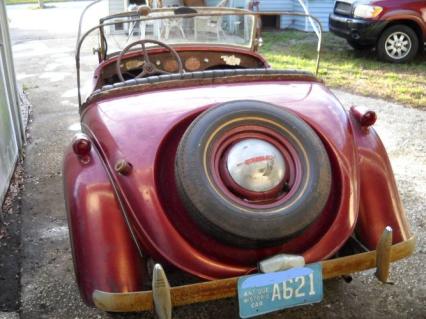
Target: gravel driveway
<point>46,69</point>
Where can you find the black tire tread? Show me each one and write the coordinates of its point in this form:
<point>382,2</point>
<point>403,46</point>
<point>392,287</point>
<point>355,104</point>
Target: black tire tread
<point>194,190</point>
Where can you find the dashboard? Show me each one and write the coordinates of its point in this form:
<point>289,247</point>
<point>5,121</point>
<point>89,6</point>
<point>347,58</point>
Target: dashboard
<point>192,60</point>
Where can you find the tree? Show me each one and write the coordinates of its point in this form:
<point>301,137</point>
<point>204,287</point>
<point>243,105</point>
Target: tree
<point>41,4</point>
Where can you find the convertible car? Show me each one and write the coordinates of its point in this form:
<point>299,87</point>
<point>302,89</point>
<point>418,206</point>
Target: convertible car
<point>197,161</point>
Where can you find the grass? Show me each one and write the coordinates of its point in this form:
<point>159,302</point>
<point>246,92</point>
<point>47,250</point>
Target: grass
<point>344,68</point>
<point>32,1</point>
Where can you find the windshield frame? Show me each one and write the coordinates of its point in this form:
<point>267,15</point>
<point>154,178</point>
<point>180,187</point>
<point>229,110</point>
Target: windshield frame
<point>201,11</point>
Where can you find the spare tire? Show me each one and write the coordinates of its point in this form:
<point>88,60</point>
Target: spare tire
<point>251,173</point>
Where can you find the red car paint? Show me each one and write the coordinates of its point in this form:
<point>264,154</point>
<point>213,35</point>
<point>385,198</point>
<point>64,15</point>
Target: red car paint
<point>397,10</point>
<point>145,128</point>
<point>109,259</point>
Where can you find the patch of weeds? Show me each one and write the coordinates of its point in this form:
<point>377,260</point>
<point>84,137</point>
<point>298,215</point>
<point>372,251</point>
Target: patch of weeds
<point>342,67</point>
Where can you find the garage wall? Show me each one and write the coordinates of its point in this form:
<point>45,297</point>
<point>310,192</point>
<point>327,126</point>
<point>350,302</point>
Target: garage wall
<point>11,132</point>
<point>8,143</point>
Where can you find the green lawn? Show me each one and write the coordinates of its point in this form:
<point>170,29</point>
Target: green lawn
<point>342,67</point>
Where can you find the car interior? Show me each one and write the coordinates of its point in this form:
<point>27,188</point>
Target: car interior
<point>192,60</point>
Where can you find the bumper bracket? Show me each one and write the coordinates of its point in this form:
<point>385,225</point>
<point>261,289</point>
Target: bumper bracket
<point>383,256</point>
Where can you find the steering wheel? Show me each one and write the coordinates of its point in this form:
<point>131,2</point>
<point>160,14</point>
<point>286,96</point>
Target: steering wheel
<point>148,67</point>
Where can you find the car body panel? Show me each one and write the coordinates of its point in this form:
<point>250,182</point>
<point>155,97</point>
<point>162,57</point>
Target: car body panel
<point>363,31</point>
<point>379,194</point>
<point>367,31</point>
<point>140,127</point>
<point>107,257</point>
<point>153,124</point>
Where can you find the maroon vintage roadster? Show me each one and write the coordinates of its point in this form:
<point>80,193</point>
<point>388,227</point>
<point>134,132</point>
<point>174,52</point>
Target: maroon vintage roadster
<point>196,155</point>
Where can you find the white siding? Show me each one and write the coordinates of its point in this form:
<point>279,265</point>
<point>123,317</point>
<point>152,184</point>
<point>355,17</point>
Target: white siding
<point>241,4</point>
<point>116,6</point>
<point>318,8</point>
<point>230,3</point>
<point>286,21</point>
<point>211,3</point>
<point>274,5</point>
<point>299,23</point>
<point>321,9</point>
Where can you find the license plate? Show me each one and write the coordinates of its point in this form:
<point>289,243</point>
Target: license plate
<point>263,293</point>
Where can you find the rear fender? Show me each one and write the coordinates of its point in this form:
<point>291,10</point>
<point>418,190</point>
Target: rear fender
<point>105,256</point>
<point>380,204</point>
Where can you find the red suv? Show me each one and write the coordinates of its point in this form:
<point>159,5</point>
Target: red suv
<point>396,28</point>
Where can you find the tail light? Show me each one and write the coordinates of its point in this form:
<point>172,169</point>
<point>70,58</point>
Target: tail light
<point>365,117</point>
<point>81,145</point>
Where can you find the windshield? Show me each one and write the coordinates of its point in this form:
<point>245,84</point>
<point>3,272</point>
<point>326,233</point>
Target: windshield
<point>199,26</point>
<point>211,27</point>
<point>189,27</point>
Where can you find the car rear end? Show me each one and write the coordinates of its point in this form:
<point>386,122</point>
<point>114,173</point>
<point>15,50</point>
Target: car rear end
<point>164,182</point>
<point>146,140</point>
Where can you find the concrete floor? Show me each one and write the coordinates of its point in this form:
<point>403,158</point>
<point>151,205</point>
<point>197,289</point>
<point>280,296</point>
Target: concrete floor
<point>43,50</point>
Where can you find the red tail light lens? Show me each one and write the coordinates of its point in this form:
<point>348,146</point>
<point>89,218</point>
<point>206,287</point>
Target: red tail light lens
<point>81,144</point>
<point>365,117</point>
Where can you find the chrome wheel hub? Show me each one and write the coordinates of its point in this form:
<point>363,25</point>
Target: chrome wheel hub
<point>398,45</point>
<point>256,165</point>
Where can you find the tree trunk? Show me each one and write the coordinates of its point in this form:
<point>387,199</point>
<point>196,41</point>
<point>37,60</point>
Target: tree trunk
<point>41,4</point>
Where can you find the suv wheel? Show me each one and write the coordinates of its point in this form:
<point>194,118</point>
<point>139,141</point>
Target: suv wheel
<point>398,44</point>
